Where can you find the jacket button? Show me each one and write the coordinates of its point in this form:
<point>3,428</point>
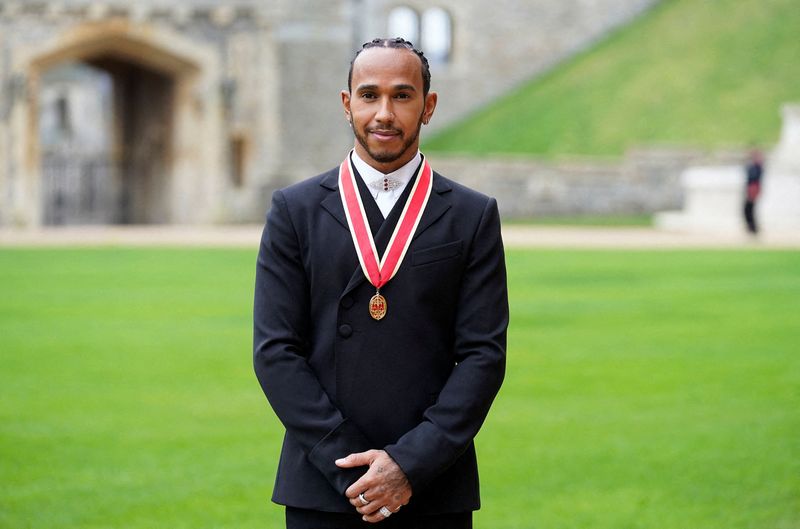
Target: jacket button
<point>345,331</point>
<point>347,302</point>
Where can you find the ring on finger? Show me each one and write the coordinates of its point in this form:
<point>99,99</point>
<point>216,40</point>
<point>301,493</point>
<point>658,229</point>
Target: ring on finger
<point>385,512</point>
<point>362,499</point>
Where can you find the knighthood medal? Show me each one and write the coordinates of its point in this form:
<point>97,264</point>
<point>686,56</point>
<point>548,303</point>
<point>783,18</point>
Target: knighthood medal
<point>377,306</point>
<point>378,273</point>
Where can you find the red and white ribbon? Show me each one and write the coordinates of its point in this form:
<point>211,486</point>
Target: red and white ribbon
<point>379,273</point>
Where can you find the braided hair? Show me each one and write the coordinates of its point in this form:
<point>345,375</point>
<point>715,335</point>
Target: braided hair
<point>397,43</point>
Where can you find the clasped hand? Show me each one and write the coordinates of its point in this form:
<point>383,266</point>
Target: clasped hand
<point>383,485</point>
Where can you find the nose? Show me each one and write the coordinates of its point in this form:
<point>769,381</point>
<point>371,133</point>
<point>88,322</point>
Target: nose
<point>385,112</point>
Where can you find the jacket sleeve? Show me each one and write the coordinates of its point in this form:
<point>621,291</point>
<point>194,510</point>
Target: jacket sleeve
<point>280,347</point>
<point>449,426</point>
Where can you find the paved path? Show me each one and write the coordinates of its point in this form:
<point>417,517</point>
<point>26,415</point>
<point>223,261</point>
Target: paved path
<point>515,236</point>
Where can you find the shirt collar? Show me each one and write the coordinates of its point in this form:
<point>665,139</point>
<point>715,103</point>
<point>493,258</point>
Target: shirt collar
<point>369,174</point>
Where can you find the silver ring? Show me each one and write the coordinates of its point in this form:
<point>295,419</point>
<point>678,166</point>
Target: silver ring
<point>385,512</point>
<point>364,501</point>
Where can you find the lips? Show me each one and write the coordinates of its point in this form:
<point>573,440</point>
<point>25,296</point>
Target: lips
<point>384,134</point>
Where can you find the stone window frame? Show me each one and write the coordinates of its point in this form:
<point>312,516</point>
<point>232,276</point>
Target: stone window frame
<point>416,23</point>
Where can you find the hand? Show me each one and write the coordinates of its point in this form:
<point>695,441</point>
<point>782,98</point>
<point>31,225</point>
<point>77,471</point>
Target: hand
<point>383,485</point>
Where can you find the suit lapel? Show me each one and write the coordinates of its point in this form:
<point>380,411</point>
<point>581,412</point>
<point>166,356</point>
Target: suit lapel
<point>438,204</point>
<point>333,202</point>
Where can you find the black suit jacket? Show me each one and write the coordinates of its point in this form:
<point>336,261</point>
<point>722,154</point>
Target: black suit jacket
<point>418,383</point>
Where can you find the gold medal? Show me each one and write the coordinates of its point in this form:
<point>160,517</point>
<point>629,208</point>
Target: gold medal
<point>377,306</point>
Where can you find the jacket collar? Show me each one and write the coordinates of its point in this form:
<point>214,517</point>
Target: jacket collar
<point>438,203</point>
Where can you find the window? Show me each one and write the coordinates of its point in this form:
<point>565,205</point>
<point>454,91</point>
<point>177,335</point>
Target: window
<point>437,36</point>
<point>404,22</point>
<point>432,33</point>
<point>238,159</point>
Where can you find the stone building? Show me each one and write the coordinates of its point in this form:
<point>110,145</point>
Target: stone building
<point>148,111</point>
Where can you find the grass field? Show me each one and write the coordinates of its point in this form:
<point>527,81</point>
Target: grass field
<point>645,390</point>
<point>690,72</point>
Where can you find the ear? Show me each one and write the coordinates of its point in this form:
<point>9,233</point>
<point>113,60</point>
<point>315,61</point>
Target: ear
<point>430,106</point>
<point>346,104</point>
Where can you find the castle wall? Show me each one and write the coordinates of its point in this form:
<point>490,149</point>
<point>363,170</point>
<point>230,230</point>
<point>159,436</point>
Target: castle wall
<point>314,50</point>
<point>644,181</point>
<point>257,82</point>
<point>499,44</point>
<point>222,60</point>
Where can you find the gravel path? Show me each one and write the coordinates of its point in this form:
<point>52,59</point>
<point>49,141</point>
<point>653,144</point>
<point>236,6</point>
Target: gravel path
<point>248,236</point>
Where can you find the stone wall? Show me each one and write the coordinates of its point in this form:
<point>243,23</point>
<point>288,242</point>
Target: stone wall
<point>257,86</point>
<point>222,61</point>
<point>499,44</point>
<point>644,181</point>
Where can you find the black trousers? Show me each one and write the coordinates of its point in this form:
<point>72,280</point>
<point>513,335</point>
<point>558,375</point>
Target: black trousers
<point>306,519</point>
<point>750,216</point>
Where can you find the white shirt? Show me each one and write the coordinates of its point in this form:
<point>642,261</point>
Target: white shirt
<point>374,180</point>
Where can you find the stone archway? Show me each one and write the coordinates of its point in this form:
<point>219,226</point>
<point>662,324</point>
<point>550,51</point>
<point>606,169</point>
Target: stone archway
<point>105,142</point>
<point>161,108</point>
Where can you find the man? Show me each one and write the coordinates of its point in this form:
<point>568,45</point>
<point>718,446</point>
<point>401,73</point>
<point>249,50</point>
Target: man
<point>380,319</point>
<point>754,171</point>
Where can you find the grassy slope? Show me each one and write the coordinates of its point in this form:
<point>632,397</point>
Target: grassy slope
<point>645,390</point>
<point>690,72</point>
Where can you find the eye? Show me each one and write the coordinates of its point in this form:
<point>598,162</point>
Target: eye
<point>368,95</point>
<point>403,95</point>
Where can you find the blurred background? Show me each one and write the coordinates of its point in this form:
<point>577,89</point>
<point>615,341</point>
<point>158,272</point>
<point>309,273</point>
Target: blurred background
<point>155,112</point>
<point>654,376</point>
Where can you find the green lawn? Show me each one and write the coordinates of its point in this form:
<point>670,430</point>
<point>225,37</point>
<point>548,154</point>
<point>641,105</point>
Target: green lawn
<point>690,72</point>
<point>645,390</point>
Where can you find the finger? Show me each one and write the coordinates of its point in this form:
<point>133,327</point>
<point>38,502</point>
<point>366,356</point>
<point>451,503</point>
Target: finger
<point>383,487</point>
<point>368,510</point>
<point>375,499</point>
<point>358,504</point>
<point>359,459</point>
<point>361,485</point>
<point>375,517</point>
<point>368,482</point>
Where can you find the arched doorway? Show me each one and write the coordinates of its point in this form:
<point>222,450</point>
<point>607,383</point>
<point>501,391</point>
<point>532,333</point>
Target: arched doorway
<point>105,142</point>
<point>104,120</point>
<point>79,181</point>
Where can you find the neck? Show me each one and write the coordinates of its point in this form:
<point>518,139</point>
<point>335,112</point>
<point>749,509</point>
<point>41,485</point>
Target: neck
<point>387,167</point>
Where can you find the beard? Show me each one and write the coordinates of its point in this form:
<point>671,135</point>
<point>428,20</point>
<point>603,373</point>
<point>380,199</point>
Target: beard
<point>387,156</point>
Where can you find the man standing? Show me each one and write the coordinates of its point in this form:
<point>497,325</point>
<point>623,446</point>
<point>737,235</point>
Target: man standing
<point>380,319</point>
<point>754,170</point>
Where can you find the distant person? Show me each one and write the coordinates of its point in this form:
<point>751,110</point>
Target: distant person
<point>755,168</point>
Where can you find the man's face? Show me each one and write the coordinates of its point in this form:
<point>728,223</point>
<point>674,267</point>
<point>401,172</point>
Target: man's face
<point>387,107</point>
